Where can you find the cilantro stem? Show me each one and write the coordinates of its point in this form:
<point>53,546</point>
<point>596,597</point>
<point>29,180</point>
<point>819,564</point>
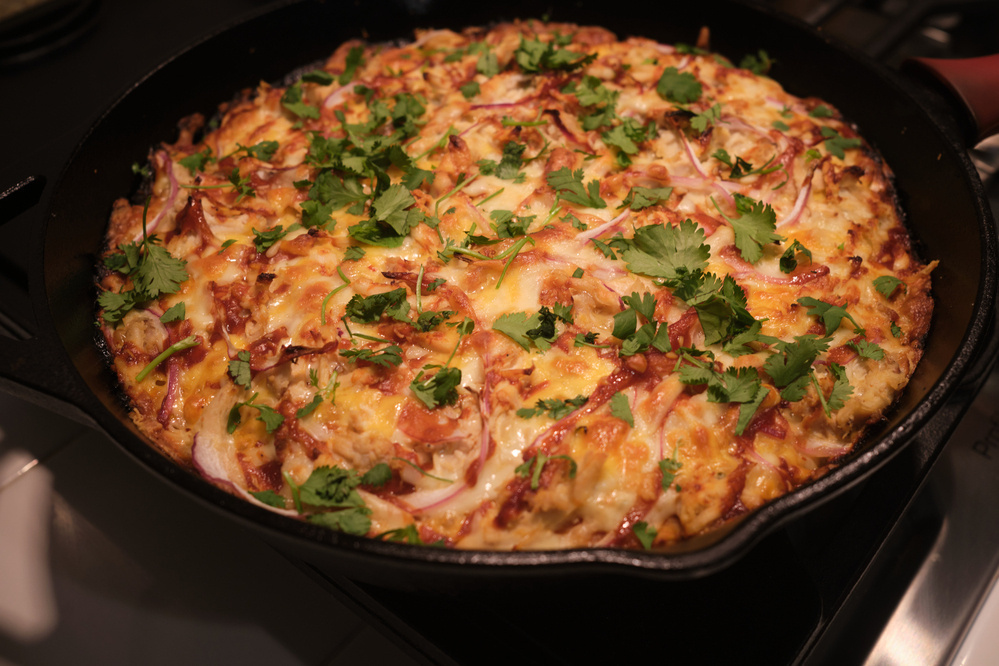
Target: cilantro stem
<point>457,188</point>
<point>419,290</point>
<point>556,209</point>
<point>206,187</point>
<point>296,496</point>
<point>818,389</point>
<point>492,196</point>
<point>370,338</point>
<point>515,249</point>
<point>346,282</point>
<point>718,208</point>
<point>440,144</point>
<point>186,343</point>
<point>510,122</point>
<point>422,471</point>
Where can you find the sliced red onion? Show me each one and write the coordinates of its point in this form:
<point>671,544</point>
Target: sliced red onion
<point>164,161</point>
<point>433,499</point>
<point>427,36</point>
<point>208,459</point>
<point>590,234</point>
<point>501,105</point>
<point>469,129</point>
<point>751,453</point>
<point>696,163</point>
<point>824,449</point>
<point>170,399</point>
<point>800,202</point>
<point>426,500</point>
<point>740,124</point>
<point>339,95</point>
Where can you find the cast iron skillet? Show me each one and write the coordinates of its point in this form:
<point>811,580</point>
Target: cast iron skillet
<point>946,209</point>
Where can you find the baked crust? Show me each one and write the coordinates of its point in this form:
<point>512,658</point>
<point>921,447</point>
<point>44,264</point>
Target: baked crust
<point>502,120</point>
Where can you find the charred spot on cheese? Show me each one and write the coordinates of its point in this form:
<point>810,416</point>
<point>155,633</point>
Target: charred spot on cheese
<point>529,286</point>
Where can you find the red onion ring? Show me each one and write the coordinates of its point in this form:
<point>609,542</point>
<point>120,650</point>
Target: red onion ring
<point>588,235</point>
<point>170,399</point>
<point>339,95</point>
<point>164,161</point>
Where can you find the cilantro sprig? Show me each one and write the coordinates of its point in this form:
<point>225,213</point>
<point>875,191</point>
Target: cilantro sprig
<point>534,465</point>
<point>151,268</point>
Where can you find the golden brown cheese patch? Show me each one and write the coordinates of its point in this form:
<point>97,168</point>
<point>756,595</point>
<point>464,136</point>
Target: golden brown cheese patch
<point>485,195</point>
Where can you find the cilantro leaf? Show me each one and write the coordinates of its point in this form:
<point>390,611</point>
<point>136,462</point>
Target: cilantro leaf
<point>302,412</point>
<point>591,91</point>
<point>332,487</point>
<point>318,76</point>
<point>440,389</point>
<point>176,312</point>
<point>293,101</point>
<point>470,89</point>
<point>355,58</point>
<point>832,315</point>
<point>821,111</point>
<point>386,356</point>
<point>738,345</point>
<point>620,408</point>
<point>316,214</point>
<point>487,64</point>
<point>535,56</point>
<point>263,240</point>
<point>841,391</point>
<point>197,161</point>
<point>642,197</point>
<point>353,253</point>
<point>239,369</point>
<point>748,409</point>
<point>509,225</point>
<point>369,309</point>
<point>349,521</point>
<point>509,165</point>
<point>408,534</point>
<point>377,476</point>
<point>159,272</point>
<point>555,408</point>
<point>758,63</point>
<point>867,349</point>
<point>789,261</point>
<point>709,116</point>
<point>524,329</point>
<point>645,534</point>
<point>536,463</point>
<point>666,251</point>
<point>669,467</point>
<point>269,416</point>
<point>887,284</point>
<point>270,498</point>
<point>569,186</point>
<point>836,144</point>
<point>794,360</point>
<point>677,87</point>
<point>754,227</point>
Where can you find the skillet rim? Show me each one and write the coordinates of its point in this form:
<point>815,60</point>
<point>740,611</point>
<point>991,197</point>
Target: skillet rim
<point>727,544</point>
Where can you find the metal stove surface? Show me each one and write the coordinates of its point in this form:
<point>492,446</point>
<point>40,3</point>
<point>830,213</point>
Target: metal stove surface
<point>86,574</point>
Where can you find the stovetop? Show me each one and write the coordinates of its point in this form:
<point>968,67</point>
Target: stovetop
<point>895,574</point>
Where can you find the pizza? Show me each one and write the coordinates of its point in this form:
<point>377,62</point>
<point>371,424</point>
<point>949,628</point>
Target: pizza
<point>528,286</point>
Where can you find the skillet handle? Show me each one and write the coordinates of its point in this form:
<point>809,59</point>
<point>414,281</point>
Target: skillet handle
<point>35,368</point>
<point>972,83</point>
<point>38,371</point>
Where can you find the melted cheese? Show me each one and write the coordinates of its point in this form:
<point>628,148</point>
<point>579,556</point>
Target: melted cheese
<point>468,472</point>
